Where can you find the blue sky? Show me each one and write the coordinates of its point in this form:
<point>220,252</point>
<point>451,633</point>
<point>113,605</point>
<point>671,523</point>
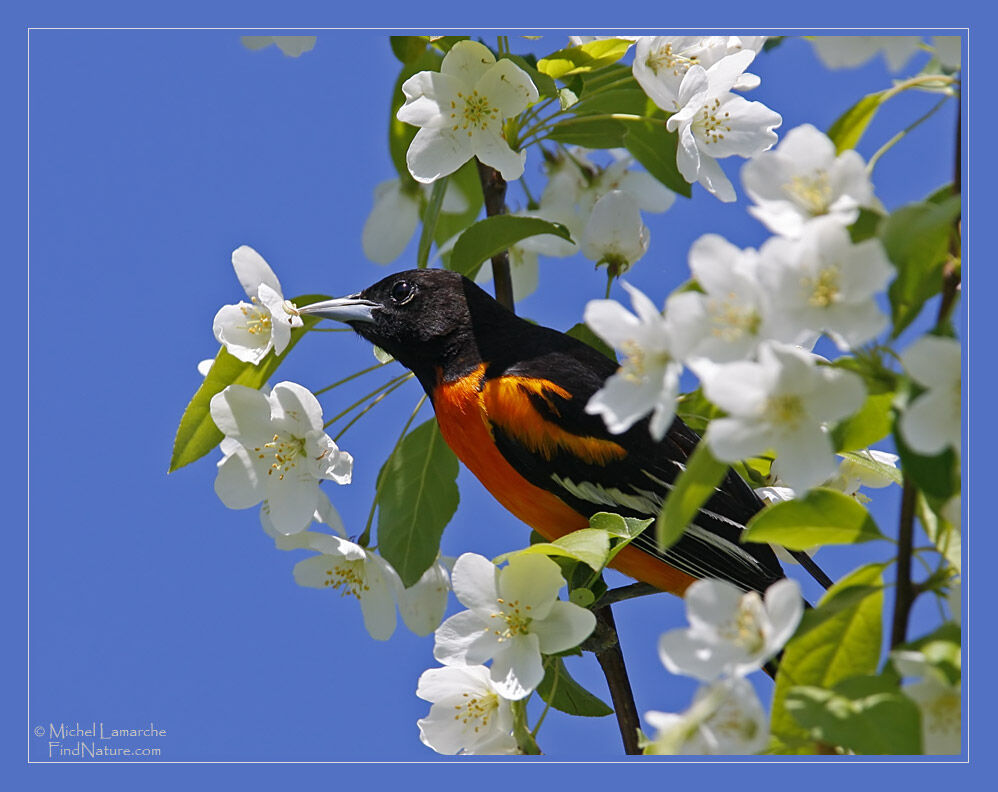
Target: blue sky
<point>153,155</point>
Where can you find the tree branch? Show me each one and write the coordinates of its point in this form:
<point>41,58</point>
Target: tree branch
<point>494,193</point>
<point>606,647</point>
<point>904,594</point>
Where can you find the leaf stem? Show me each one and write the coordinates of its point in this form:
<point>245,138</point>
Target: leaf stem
<point>364,398</point>
<point>900,135</point>
<point>611,660</point>
<point>343,381</point>
<point>524,739</point>
<point>430,217</point>
<point>374,402</point>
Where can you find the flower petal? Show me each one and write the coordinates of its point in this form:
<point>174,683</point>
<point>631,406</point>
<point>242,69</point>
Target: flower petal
<point>252,270</point>
<point>565,626</point>
<point>437,152</point>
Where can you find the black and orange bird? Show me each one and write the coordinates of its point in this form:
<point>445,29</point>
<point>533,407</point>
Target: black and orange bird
<point>510,398</point>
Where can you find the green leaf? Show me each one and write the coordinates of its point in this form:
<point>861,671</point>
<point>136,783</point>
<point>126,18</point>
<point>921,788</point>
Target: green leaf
<point>844,645</point>
<point>866,226</point>
<point>624,529</point>
<point>872,423</point>
<point>588,132</point>
<point>850,126</point>
<point>466,180</point>
<point>943,534</point>
<point>937,476</point>
<point>917,240</point>
<point>821,517</point>
<point>197,433</point>
<point>431,214</point>
<point>697,411</point>
<point>843,598</point>
<point>581,332</point>
<point>690,491</point>
<point>418,497</point>
<point>408,49</point>
<point>868,716</point>
<point>616,525</point>
<point>655,147</point>
<point>588,545</point>
<point>584,58</point>
<point>490,236</point>
<point>565,694</point>
<point>630,99</point>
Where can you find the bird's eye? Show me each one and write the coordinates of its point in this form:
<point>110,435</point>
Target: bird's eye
<point>402,292</point>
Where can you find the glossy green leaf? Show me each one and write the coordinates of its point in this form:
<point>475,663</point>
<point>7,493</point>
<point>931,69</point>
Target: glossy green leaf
<point>917,240</point>
<point>563,693</point>
<point>944,535</point>
<point>821,517</point>
<point>696,410</point>
<point>465,180</point>
<point>937,476</point>
<point>590,132</point>
<point>654,146</point>
<point>844,645</point>
<point>197,433</point>
<point>584,58</point>
<point>418,497</point>
<point>408,49</point>
<point>850,126</point>
<point>867,716</point>
<point>490,236</point>
<point>588,545</point>
<point>871,424</point>
<point>630,99</point>
<point>690,491</point>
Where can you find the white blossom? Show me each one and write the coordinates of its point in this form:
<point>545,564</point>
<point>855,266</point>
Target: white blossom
<point>422,604</point>
<point>513,616</point>
<point>726,321</point>
<point>869,470</point>
<point>731,632</point>
<point>460,111</point>
<point>803,178</point>
<point>843,52</point>
<point>714,123</point>
<point>468,714</point>
<point>352,569</point>
<point>394,217</point>
<point>292,46</point>
<point>661,62</point>
<point>938,700</point>
<point>275,450</point>
<point>781,402</point>
<point>725,718</point>
<point>824,282</point>
<point>648,379</point>
<point>615,234</point>
<point>249,330</point>
<point>931,423</point>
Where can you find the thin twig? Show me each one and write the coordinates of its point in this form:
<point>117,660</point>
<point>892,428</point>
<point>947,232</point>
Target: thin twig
<point>494,194</point>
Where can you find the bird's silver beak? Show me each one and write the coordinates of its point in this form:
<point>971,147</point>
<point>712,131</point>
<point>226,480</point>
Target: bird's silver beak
<point>342,309</point>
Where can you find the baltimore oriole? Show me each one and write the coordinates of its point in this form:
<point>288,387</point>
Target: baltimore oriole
<point>510,398</point>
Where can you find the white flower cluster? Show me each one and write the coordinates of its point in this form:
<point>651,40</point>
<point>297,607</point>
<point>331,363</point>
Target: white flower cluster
<point>731,635</point>
<point>276,451</point>
<point>513,617</point>
<point>746,332</point>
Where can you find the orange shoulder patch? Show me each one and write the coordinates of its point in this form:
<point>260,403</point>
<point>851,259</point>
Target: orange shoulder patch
<point>508,406</point>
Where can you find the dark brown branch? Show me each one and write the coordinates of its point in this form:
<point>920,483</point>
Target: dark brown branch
<point>611,660</point>
<point>904,593</point>
<point>494,193</point>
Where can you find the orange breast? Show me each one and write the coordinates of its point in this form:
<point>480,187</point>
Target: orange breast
<point>464,409</point>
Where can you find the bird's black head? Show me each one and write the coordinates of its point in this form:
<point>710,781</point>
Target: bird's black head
<point>427,319</point>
